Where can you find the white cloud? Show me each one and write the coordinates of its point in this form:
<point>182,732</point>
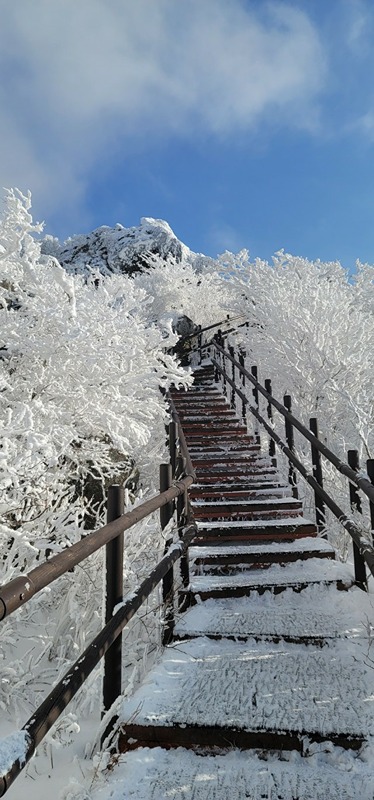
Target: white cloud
<point>79,77</point>
<point>359,26</point>
<point>223,236</point>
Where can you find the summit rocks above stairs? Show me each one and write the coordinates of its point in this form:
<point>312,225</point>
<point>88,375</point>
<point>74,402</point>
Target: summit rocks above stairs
<point>269,656</point>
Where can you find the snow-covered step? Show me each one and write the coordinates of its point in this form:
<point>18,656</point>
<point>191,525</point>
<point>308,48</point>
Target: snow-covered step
<point>205,413</point>
<point>246,509</point>
<point>213,432</point>
<point>275,577</point>
<point>243,478</point>
<point>284,502</point>
<point>220,559</point>
<point>211,454</point>
<point>207,494</point>
<point>187,402</point>
<point>231,463</point>
<point>253,694</point>
<point>212,423</point>
<point>157,774</point>
<point>317,614</point>
<point>288,528</point>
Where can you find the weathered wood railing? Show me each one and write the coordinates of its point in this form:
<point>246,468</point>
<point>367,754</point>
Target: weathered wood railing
<point>174,483</point>
<point>363,549</point>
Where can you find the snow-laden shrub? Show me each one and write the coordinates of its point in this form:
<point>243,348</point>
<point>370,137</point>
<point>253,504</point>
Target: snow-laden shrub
<point>176,288</point>
<point>81,368</point>
<point>312,333</point>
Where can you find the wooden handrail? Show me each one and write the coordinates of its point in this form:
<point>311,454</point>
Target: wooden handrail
<point>20,589</point>
<point>358,535</point>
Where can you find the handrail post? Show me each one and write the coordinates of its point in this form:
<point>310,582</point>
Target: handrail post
<point>355,501</point>
<point>233,393</point>
<point>166,513</point>
<point>370,472</point>
<point>269,409</point>
<point>224,382</point>
<point>112,683</point>
<point>173,436</point>
<point>199,344</point>
<point>184,564</point>
<point>318,476</point>
<point>254,373</point>
<point>287,402</point>
<point>217,339</point>
<point>241,359</point>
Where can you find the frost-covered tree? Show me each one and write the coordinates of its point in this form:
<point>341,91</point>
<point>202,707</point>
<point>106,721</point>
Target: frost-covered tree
<point>81,369</point>
<point>312,333</point>
<point>177,288</point>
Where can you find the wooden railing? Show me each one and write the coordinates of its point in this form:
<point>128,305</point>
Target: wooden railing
<point>175,479</point>
<point>363,550</point>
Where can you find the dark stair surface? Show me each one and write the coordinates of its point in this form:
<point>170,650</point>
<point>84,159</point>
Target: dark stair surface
<point>268,658</point>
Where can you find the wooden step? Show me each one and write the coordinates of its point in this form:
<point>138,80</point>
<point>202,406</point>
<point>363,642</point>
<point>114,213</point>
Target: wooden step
<point>205,494</point>
<point>233,466</point>
<point>204,413</point>
<point>230,460</point>
<point>162,774</point>
<point>276,578</point>
<point>220,559</point>
<point>262,515</point>
<point>315,616</point>
<point>251,695</point>
<point>247,478</point>
<point>252,509</point>
<point>254,531</point>
<point>214,432</point>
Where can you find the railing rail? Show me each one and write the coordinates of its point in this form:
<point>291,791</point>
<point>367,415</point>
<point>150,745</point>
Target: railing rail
<point>363,550</point>
<point>362,483</point>
<point>227,321</point>
<point>48,712</point>
<point>22,588</point>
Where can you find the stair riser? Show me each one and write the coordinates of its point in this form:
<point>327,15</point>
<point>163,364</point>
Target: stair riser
<point>268,504</point>
<point>232,565</point>
<point>133,736</point>
<point>246,591</point>
<point>244,516</point>
<point>224,537</point>
<point>244,479</point>
<point>261,560</point>
<point>209,495</point>
<point>229,463</point>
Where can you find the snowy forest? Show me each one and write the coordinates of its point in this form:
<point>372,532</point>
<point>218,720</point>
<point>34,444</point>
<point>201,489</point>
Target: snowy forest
<point>86,333</point>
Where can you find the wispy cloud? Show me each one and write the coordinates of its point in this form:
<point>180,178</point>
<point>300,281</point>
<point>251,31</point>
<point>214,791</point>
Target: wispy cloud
<point>359,26</point>
<point>223,236</point>
<point>82,79</point>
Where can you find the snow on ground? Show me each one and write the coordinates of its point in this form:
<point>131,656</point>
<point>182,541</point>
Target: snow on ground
<point>258,686</point>
<point>317,612</point>
<point>155,774</point>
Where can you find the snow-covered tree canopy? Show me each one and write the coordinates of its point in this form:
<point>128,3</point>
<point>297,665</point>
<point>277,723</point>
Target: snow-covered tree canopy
<point>81,370</point>
<point>312,332</point>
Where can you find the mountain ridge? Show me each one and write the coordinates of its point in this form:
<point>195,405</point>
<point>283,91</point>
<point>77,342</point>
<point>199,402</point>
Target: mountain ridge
<point>123,250</point>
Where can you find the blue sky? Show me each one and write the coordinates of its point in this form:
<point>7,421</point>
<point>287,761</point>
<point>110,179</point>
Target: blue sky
<point>243,123</point>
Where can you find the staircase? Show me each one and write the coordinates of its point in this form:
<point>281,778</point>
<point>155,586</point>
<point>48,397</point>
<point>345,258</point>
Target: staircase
<point>267,690</point>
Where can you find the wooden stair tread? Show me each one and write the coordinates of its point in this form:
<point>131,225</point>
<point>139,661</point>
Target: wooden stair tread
<point>161,774</point>
<point>255,688</point>
<point>318,613</point>
<point>295,573</point>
